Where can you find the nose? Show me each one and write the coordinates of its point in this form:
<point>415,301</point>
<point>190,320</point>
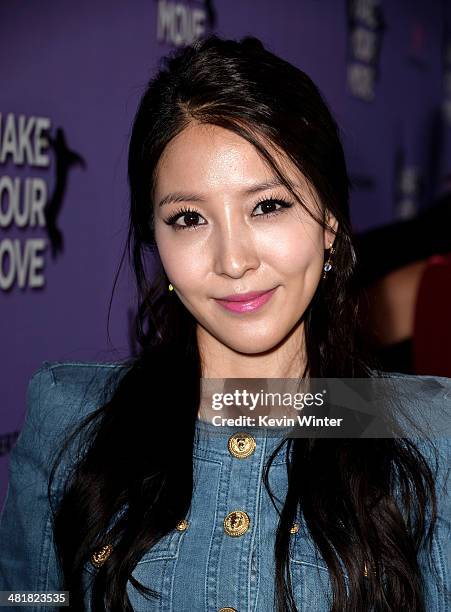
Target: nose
<point>235,252</point>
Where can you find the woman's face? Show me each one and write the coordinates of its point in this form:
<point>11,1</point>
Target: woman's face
<point>228,245</point>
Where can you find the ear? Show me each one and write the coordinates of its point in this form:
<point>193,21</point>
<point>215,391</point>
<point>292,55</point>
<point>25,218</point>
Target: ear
<point>330,231</point>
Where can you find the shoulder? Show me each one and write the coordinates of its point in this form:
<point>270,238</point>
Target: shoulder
<point>60,394</point>
<point>428,380</point>
<point>423,399</point>
<point>77,374</point>
<point>424,381</point>
<point>422,406</point>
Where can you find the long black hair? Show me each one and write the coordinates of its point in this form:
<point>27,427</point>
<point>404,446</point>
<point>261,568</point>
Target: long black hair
<point>123,489</point>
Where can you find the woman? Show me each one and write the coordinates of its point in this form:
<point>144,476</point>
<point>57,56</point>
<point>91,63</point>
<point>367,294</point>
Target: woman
<point>238,184</point>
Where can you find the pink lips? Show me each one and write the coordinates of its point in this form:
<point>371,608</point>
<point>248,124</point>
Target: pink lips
<point>246,302</point>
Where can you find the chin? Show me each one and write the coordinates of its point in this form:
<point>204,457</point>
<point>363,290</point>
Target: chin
<point>250,346</point>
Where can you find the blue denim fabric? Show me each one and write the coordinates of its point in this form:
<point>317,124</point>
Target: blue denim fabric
<point>201,568</point>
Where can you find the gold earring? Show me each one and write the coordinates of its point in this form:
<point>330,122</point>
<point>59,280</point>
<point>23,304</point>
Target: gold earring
<point>328,264</point>
<point>171,288</point>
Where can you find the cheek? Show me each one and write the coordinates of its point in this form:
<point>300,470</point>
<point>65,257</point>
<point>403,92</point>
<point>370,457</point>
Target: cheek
<point>181,261</point>
<point>295,252</point>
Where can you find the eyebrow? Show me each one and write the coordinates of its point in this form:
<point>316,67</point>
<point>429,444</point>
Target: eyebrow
<point>194,197</point>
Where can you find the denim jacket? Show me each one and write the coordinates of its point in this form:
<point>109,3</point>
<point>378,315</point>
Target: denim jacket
<point>221,558</point>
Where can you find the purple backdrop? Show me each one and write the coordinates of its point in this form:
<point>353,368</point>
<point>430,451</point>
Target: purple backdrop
<point>79,69</point>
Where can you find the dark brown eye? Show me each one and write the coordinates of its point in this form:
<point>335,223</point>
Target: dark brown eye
<point>190,218</point>
<point>268,206</point>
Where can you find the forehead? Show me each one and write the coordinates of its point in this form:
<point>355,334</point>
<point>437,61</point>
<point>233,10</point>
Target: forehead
<point>208,158</point>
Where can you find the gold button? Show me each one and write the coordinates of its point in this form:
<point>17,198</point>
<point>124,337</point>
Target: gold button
<point>100,556</point>
<point>241,445</point>
<point>294,528</point>
<point>227,610</point>
<point>182,525</point>
<point>236,523</point>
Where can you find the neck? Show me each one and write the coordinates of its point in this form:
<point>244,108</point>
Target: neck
<point>285,360</point>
